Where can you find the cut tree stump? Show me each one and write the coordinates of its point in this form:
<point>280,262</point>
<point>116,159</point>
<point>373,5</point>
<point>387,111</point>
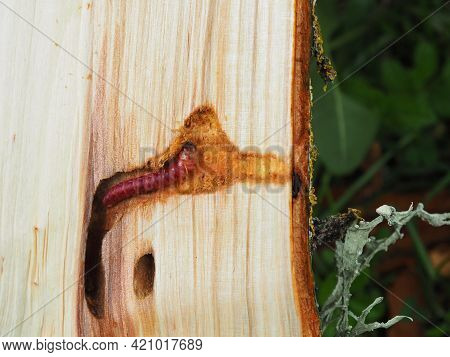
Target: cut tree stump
<point>97,93</point>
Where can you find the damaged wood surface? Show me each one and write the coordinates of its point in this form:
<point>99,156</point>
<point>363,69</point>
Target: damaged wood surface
<point>102,92</point>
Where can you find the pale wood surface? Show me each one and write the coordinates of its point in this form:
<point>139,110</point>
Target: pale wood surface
<point>44,131</point>
<point>223,260</point>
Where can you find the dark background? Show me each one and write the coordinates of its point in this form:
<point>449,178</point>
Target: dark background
<point>382,132</point>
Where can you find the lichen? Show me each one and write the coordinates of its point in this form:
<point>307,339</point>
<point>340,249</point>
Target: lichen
<point>324,65</point>
<point>354,254</point>
<point>331,229</point>
<point>313,154</point>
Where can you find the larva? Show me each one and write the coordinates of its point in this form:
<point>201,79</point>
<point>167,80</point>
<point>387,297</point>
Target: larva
<point>174,171</point>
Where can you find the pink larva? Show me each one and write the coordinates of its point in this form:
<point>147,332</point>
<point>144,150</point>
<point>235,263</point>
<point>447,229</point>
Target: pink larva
<point>175,171</point>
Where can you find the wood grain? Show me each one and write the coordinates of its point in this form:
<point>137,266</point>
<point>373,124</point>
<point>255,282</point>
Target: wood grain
<point>92,89</point>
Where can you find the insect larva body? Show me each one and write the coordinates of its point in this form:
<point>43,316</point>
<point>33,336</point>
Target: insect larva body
<point>175,171</point>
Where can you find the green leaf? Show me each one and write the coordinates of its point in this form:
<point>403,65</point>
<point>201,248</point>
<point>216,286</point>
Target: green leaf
<point>425,62</point>
<point>361,90</point>
<point>422,155</point>
<point>328,257</point>
<point>394,76</point>
<point>326,288</point>
<point>440,98</point>
<point>343,130</point>
<point>440,92</point>
<point>406,112</point>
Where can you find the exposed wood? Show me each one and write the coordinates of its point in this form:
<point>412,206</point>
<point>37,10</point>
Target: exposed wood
<point>96,93</point>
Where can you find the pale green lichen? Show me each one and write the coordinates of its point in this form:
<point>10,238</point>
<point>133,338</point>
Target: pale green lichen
<point>354,254</point>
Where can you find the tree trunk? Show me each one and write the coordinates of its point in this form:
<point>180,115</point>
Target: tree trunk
<point>95,94</point>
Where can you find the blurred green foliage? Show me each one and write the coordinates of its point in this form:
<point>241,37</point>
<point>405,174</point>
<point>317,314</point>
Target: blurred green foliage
<point>377,94</point>
<point>392,93</point>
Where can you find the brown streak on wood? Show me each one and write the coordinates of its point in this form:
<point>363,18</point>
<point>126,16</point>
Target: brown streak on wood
<point>301,113</point>
<point>106,112</point>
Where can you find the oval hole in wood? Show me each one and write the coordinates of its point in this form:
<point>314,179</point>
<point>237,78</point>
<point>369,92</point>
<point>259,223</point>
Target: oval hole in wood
<point>144,276</point>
